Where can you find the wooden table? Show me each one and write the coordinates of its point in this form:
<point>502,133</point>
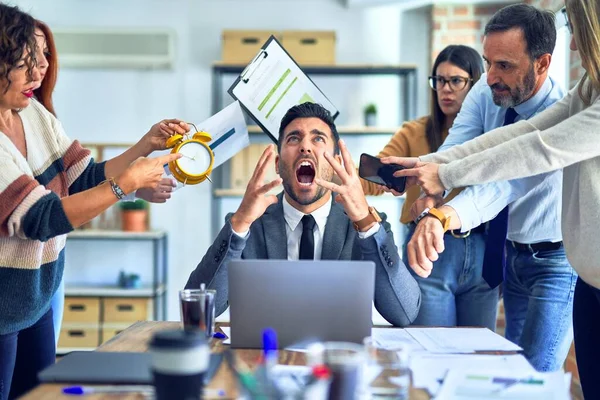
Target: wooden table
<point>136,338</point>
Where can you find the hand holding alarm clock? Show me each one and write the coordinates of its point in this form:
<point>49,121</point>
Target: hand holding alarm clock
<point>197,159</point>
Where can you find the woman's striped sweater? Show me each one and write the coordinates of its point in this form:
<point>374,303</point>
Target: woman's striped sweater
<point>33,223</point>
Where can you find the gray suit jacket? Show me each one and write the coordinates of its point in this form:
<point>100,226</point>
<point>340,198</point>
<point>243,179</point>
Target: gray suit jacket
<point>397,294</point>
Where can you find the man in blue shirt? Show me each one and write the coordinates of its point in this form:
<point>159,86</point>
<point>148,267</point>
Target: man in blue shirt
<point>538,280</point>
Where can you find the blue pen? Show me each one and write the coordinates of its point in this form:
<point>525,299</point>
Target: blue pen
<point>116,389</point>
<point>270,347</point>
<point>219,335</point>
<point>83,390</point>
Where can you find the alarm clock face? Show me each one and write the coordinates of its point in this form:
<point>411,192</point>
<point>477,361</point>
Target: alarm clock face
<point>196,159</point>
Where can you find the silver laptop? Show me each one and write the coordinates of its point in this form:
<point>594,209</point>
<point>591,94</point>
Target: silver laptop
<point>304,301</point>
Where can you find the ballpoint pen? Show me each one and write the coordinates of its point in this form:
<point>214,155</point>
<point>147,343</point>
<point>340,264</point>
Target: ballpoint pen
<point>264,372</point>
<point>116,389</point>
<point>509,382</point>
<point>270,348</point>
<point>219,335</point>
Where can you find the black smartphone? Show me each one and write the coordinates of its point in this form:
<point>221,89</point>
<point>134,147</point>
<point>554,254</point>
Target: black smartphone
<point>372,169</point>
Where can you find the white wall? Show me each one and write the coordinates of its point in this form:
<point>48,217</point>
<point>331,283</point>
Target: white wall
<point>415,47</point>
<point>120,105</point>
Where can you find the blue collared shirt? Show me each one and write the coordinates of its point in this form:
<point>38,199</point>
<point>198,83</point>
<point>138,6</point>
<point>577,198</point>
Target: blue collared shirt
<point>534,202</point>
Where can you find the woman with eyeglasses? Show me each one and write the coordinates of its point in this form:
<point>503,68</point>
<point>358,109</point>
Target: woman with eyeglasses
<point>454,72</point>
<point>566,135</point>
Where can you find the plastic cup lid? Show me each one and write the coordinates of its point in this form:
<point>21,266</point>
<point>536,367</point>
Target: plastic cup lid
<point>177,339</point>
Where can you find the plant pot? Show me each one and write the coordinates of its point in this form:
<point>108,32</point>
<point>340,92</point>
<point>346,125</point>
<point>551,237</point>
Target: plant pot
<point>371,119</point>
<point>134,220</point>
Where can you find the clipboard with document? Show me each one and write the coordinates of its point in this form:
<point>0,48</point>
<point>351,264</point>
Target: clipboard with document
<point>271,84</point>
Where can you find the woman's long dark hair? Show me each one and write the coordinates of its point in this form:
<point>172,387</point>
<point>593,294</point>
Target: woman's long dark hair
<point>44,92</point>
<point>16,36</point>
<point>465,58</point>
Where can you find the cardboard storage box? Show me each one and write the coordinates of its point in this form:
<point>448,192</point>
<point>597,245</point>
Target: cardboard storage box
<point>240,47</point>
<point>117,309</point>
<point>82,309</point>
<point>310,47</point>
<point>79,336</point>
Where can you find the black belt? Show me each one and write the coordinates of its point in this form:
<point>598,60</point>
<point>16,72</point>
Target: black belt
<point>535,247</point>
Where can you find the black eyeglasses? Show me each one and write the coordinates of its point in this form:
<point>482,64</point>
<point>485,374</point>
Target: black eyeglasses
<point>455,82</point>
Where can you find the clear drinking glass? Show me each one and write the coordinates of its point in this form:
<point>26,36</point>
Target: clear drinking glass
<point>345,361</point>
<point>198,310</point>
<point>387,373</point>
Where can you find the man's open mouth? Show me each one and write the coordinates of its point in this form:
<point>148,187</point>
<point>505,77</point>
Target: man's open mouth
<point>305,173</point>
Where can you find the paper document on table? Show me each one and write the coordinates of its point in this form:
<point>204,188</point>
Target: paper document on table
<point>271,84</point>
<point>227,331</point>
<point>460,340</point>
<point>428,370</point>
<point>488,384</point>
<point>391,337</point>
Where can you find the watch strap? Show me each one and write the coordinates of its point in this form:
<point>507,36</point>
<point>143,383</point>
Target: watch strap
<point>434,212</point>
<point>373,216</point>
<point>116,189</point>
<point>422,215</point>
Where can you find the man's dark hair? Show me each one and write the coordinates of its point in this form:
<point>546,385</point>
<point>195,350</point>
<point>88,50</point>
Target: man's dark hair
<point>309,110</point>
<point>537,26</point>
<point>16,36</point>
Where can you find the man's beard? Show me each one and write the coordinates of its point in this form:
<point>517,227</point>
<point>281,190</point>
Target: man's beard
<point>289,189</point>
<point>517,95</point>
<point>321,191</point>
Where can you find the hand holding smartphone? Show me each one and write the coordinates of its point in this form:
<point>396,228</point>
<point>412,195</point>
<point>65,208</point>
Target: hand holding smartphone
<point>373,170</point>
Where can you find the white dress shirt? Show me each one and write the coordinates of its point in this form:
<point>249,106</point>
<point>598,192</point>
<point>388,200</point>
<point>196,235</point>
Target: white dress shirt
<point>293,229</point>
<point>534,202</point>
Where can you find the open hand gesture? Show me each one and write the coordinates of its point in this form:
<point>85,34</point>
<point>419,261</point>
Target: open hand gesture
<point>256,200</point>
<point>160,194</point>
<point>349,192</point>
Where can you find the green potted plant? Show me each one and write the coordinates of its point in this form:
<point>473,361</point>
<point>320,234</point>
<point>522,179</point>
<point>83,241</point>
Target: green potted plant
<point>371,115</point>
<point>134,215</point>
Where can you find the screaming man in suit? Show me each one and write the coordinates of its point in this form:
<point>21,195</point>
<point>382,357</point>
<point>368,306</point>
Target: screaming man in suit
<point>306,221</point>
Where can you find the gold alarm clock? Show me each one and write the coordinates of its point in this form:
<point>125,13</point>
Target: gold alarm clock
<point>198,158</point>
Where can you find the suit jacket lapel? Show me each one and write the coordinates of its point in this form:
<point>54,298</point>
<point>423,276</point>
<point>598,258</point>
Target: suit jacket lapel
<point>274,232</point>
<point>335,233</point>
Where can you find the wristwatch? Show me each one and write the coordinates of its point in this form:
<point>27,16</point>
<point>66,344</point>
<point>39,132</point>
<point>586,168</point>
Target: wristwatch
<point>445,220</point>
<point>373,216</point>
<point>423,214</point>
<point>116,189</point>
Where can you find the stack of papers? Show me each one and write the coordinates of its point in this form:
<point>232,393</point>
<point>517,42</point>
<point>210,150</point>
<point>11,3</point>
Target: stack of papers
<point>460,340</point>
<point>429,370</point>
<point>393,337</point>
<point>444,340</point>
<point>461,384</point>
<point>436,351</point>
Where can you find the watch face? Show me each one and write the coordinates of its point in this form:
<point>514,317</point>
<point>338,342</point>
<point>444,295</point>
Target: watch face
<point>196,159</point>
